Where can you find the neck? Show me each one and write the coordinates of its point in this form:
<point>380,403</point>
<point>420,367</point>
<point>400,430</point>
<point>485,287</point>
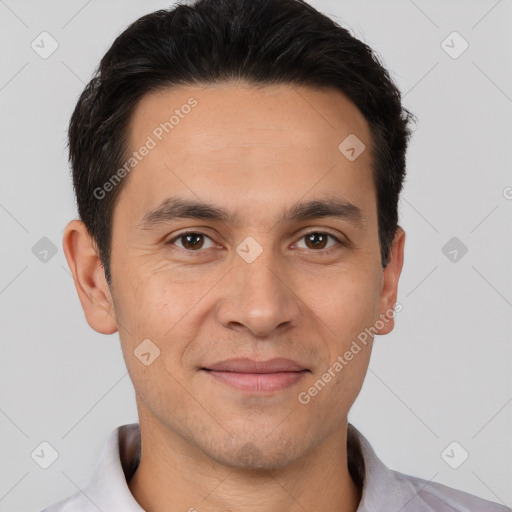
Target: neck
<point>174,475</point>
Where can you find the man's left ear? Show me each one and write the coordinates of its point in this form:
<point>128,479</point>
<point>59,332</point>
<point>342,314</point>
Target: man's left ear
<point>391,275</point>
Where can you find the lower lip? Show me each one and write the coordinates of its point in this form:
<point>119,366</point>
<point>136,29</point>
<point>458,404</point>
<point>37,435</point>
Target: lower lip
<point>258,382</point>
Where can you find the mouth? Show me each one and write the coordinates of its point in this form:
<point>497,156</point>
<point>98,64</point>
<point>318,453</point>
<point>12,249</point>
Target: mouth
<point>257,376</point>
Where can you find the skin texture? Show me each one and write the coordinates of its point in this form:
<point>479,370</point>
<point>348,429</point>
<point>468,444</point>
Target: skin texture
<point>256,152</point>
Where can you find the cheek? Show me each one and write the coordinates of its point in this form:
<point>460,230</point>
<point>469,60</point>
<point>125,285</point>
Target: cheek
<point>164,309</point>
<point>347,303</point>
<point>153,340</point>
<point>348,381</point>
<point>347,308</point>
<point>151,298</point>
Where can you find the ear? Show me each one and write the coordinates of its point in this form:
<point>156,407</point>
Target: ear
<point>89,277</point>
<point>391,275</point>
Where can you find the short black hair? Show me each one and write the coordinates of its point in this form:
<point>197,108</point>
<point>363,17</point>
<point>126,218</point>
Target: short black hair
<point>258,42</point>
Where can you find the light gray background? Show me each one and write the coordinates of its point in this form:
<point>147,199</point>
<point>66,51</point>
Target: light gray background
<point>444,373</point>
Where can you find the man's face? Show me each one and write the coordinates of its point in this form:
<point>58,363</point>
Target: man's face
<point>256,284</point>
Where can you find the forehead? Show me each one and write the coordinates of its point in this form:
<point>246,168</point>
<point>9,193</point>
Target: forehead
<point>228,143</point>
<point>310,116</point>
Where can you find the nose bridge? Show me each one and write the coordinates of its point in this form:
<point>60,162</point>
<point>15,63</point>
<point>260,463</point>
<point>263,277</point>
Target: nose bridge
<point>258,295</point>
<point>261,277</point>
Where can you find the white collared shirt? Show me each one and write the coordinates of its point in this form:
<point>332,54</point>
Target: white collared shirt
<point>384,490</point>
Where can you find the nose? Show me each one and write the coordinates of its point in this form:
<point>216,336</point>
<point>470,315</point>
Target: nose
<point>259,297</point>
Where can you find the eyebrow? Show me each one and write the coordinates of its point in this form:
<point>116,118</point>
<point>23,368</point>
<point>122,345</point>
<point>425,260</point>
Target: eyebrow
<point>174,208</point>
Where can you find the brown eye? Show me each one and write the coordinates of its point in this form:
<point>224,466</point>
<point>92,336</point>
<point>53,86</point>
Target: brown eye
<point>190,241</point>
<point>193,241</point>
<point>318,240</point>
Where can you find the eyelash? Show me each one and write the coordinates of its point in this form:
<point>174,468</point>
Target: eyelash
<point>321,252</point>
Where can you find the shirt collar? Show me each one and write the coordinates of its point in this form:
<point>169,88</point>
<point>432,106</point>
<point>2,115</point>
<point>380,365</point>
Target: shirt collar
<point>383,489</point>
<point>108,489</point>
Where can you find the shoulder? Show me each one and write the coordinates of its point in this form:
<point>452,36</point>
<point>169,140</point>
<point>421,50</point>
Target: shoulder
<point>107,488</point>
<point>387,489</point>
<point>77,502</point>
<point>435,497</point>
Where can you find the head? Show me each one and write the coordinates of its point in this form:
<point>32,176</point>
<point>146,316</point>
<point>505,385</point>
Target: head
<point>289,137</point>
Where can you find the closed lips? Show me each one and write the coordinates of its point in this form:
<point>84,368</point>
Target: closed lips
<point>246,365</point>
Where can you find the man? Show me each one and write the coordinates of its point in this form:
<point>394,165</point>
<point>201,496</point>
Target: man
<point>237,166</point>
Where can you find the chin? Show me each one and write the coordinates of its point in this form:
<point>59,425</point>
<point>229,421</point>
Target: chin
<point>263,454</point>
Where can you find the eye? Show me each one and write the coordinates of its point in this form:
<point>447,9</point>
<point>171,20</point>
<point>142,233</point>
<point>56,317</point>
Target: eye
<point>317,240</point>
<point>191,241</point>
<point>194,241</point>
